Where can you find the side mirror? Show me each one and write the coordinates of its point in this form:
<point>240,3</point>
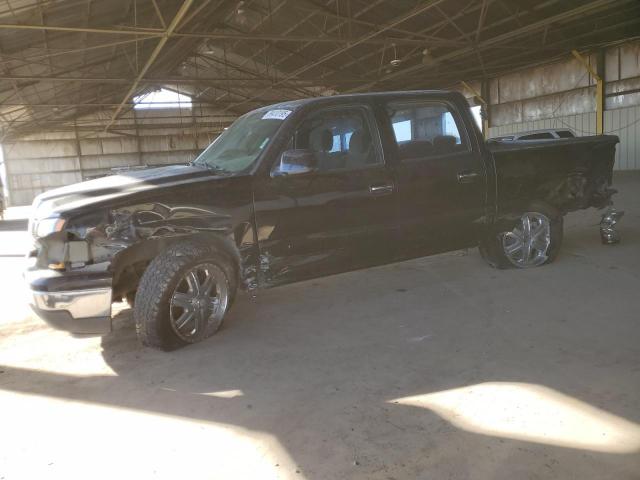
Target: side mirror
<point>295,162</point>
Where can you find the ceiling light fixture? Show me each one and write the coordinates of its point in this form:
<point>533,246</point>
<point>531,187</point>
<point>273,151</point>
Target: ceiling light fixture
<point>396,61</point>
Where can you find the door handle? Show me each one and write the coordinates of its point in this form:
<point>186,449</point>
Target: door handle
<point>383,189</point>
<point>467,177</point>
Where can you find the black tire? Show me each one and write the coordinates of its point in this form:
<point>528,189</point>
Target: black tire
<point>491,248</point>
<point>151,310</point>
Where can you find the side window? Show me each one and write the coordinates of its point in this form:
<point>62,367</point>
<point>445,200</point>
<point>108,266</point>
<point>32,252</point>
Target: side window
<point>341,139</point>
<point>424,129</point>
<point>565,134</point>
<point>537,136</point>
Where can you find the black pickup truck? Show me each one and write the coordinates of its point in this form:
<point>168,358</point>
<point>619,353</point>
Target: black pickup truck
<point>298,190</point>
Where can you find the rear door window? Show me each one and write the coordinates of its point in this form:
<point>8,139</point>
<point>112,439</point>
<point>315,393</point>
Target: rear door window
<point>425,129</point>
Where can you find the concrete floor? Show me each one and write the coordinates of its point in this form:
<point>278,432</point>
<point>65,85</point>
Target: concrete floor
<point>434,368</point>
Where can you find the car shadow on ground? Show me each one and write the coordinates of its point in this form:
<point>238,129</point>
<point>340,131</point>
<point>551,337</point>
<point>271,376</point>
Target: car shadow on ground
<point>358,375</point>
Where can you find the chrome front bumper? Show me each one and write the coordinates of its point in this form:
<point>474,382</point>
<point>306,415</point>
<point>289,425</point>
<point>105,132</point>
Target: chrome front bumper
<point>78,311</point>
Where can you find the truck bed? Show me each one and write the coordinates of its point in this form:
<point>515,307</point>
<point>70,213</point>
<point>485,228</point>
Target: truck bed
<point>569,174</point>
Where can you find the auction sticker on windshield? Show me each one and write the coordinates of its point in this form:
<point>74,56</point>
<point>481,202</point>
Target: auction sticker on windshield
<point>276,114</point>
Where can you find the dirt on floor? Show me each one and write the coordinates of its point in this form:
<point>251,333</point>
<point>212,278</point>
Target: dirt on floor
<point>436,368</point>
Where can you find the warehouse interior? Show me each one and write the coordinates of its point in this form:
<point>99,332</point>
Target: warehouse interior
<point>431,368</point>
<point>73,72</point>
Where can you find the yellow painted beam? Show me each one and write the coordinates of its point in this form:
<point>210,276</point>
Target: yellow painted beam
<point>165,37</point>
<point>599,106</point>
<point>599,92</point>
<point>585,63</point>
<point>473,91</point>
<point>485,121</point>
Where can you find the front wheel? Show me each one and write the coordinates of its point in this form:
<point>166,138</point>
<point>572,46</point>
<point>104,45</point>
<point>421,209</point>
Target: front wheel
<point>533,240</point>
<point>183,296</point>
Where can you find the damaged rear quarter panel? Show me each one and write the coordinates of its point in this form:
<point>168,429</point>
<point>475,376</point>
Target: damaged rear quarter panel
<point>569,174</point>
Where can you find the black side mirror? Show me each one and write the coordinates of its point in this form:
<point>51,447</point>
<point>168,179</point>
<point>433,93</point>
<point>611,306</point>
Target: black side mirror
<point>295,162</point>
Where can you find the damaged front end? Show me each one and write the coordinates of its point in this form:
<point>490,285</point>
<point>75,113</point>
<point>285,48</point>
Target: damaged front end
<point>69,290</point>
<point>82,261</point>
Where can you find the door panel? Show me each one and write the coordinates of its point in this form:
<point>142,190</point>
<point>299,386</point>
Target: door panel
<point>334,219</point>
<point>441,180</point>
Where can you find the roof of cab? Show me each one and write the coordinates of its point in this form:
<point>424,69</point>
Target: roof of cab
<point>294,104</point>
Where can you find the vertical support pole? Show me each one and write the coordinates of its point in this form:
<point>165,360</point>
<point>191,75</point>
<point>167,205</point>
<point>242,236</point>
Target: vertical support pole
<point>79,150</point>
<point>138,145</point>
<point>599,78</point>
<point>599,107</point>
<point>5,194</point>
<point>600,98</point>
<point>484,109</point>
<point>486,102</point>
<point>194,120</point>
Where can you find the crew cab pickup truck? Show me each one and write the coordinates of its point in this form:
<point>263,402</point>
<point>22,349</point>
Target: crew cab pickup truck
<point>297,190</point>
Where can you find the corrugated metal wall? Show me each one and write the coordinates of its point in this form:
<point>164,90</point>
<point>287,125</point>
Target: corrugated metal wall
<point>563,95</point>
<point>624,122</point>
<point>556,95</point>
<point>582,124</point>
<point>44,161</point>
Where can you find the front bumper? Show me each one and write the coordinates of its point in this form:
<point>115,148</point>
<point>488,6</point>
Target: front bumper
<point>78,311</point>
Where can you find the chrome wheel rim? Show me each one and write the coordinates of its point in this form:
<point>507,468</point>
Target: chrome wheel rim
<point>528,243</point>
<point>199,302</point>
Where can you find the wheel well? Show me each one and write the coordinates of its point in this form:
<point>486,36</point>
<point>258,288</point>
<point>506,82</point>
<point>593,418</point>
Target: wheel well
<point>505,220</point>
<point>130,264</point>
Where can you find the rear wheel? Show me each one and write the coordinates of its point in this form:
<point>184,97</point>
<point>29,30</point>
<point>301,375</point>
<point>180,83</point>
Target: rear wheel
<point>533,240</point>
<point>183,296</point>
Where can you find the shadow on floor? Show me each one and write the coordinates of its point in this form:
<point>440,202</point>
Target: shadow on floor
<point>359,375</point>
<point>435,367</point>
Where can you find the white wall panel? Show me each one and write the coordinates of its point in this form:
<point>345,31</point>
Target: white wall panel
<point>550,96</point>
<point>34,166</point>
<point>39,165</point>
<point>165,158</point>
<point>107,162</point>
<point>624,122</point>
<point>41,149</point>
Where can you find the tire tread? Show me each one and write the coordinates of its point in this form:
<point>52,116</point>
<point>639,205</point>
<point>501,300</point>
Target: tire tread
<point>156,286</point>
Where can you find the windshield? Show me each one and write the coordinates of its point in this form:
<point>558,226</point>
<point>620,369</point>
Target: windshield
<point>238,147</point>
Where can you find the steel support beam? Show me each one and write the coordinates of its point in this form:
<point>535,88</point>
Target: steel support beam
<point>263,37</point>
<point>153,32</point>
<point>485,105</point>
<point>552,52</point>
<point>253,37</point>
<point>599,90</point>
<point>431,28</point>
<point>159,14</point>
<point>325,11</point>
<point>583,9</point>
<point>383,28</point>
<point>156,51</point>
<point>171,80</point>
<point>212,103</point>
